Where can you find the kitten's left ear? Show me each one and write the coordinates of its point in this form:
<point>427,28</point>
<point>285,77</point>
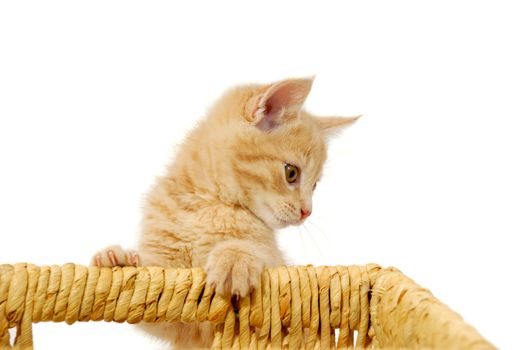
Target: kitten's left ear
<point>333,125</point>
<point>280,103</point>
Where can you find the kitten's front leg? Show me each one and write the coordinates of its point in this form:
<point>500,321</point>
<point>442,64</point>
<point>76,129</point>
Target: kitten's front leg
<point>234,267</point>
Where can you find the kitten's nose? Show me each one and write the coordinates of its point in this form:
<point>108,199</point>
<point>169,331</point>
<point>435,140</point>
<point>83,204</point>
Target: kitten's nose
<point>304,214</point>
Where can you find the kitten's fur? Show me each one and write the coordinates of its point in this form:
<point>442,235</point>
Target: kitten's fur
<point>226,192</point>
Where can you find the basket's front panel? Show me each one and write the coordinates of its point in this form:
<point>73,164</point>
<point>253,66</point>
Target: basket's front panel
<point>295,307</point>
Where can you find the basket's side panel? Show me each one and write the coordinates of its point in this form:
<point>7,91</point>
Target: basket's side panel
<point>405,315</point>
<point>6,273</point>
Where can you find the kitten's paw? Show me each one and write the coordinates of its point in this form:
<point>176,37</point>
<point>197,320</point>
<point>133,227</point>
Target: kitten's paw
<point>233,272</point>
<point>115,256</point>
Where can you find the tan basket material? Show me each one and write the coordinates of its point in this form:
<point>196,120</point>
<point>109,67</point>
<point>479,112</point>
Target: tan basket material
<point>304,307</point>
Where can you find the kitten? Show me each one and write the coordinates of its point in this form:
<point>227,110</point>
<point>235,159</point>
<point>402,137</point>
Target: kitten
<point>249,168</point>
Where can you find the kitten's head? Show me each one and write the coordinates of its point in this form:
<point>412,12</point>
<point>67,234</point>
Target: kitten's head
<point>263,151</point>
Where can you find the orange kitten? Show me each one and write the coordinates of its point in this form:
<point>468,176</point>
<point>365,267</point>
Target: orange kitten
<point>249,168</point>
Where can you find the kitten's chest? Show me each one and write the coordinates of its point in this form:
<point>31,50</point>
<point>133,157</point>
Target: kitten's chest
<point>183,238</point>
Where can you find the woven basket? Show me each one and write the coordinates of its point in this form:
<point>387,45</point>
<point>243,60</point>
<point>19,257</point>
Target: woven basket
<point>343,307</point>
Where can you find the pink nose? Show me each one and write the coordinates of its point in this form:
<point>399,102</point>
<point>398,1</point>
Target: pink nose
<point>304,214</point>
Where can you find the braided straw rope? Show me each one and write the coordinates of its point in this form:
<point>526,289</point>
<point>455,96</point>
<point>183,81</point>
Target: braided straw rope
<point>296,307</point>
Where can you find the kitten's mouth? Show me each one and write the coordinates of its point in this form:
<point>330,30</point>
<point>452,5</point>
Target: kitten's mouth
<point>286,222</point>
<point>280,220</point>
<point>298,222</point>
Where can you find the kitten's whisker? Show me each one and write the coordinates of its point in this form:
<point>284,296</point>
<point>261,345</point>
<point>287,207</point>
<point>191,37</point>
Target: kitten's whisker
<point>304,247</point>
<point>318,229</point>
<point>313,240</point>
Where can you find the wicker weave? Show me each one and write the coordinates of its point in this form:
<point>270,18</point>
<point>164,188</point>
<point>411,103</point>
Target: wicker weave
<point>296,307</point>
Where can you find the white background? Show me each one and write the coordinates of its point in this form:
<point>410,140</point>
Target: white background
<point>94,96</point>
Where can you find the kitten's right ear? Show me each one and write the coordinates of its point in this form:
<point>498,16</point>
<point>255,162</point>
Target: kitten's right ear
<point>279,103</point>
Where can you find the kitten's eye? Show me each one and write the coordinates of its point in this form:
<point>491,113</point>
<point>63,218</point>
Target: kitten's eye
<point>291,173</point>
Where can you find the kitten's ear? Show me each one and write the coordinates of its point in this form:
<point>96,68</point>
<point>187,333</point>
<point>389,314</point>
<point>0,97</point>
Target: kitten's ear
<point>280,102</point>
<point>331,126</point>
